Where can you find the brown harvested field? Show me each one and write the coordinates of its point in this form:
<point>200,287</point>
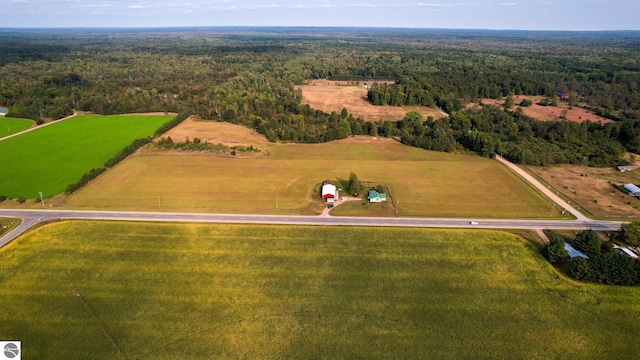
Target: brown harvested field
<point>217,132</point>
<point>593,188</point>
<point>548,113</point>
<point>331,96</point>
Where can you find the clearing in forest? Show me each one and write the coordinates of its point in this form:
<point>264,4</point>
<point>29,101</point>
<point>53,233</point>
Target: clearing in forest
<point>287,181</point>
<point>142,290</point>
<point>215,132</point>
<point>548,113</point>
<point>331,96</point>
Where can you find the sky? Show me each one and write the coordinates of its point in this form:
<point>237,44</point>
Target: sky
<point>453,14</point>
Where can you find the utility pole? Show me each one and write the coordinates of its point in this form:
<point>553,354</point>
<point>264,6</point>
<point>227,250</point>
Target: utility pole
<point>158,202</point>
<point>277,204</point>
<point>397,201</point>
<point>41,199</point>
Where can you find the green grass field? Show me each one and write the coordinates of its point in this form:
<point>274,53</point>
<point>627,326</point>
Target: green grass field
<point>74,290</point>
<point>287,182</point>
<point>50,158</point>
<point>9,126</point>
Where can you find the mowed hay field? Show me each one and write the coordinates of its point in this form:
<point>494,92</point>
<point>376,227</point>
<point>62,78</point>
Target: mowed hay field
<point>73,290</point>
<point>330,96</point>
<point>10,126</point>
<point>288,180</point>
<point>52,157</point>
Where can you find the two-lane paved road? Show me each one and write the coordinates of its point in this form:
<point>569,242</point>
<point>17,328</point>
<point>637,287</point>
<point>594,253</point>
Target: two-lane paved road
<point>31,217</point>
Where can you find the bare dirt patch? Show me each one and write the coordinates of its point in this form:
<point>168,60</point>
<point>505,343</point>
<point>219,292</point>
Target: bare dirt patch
<point>331,96</point>
<point>549,113</point>
<point>594,189</point>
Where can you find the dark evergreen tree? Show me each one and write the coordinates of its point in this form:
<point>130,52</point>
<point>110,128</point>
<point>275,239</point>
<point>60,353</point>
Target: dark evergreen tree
<point>588,241</point>
<point>554,251</point>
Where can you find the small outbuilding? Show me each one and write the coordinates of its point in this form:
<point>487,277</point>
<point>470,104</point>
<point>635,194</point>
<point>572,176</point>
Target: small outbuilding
<point>376,197</point>
<point>624,168</point>
<point>328,191</point>
<point>632,189</point>
<point>4,112</point>
<point>573,253</point>
<point>626,251</point>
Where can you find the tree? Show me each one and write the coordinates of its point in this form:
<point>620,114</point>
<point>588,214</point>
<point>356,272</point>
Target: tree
<point>554,251</point>
<point>630,233</point>
<point>588,242</point>
<point>509,103</point>
<point>526,102</point>
<point>580,269</point>
<point>344,113</point>
<point>355,187</point>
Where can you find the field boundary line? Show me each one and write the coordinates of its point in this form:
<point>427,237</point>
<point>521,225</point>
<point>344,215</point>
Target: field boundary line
<point>536,184</point>
<point>559,192</point>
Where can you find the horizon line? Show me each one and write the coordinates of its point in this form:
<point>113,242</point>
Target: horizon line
<point>302,27</point>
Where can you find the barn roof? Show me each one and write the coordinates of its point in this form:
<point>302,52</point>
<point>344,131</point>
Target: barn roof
<point>632,188</point>
<point>573,253</point>
<point>328,189</point>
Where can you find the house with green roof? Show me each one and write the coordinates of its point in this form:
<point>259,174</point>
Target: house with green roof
<point>376,197</point>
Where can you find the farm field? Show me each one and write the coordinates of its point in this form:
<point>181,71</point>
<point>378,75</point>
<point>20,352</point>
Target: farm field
<point>125,290</point>
<point>10,126</point>
<point>593,189</point>
<point>331,96</point>
<point>216,132</point>
<point>52,157</point>
<point>288,180</point>
<point>549,113</point>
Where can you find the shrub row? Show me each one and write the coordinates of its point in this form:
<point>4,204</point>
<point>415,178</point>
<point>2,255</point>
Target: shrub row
<point>92,174</point>
<point>173,123</point>
<point>130,149</point>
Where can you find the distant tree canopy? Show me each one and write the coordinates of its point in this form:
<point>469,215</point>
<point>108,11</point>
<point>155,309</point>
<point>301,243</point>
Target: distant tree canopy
<point>248,77</point>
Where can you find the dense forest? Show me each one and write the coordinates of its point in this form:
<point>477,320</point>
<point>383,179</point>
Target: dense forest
<point>247,76</point>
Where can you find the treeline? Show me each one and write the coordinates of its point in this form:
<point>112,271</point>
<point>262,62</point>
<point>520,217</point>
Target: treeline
<point>604,264</point>
<point>248,77</point>
<point>522,139</point>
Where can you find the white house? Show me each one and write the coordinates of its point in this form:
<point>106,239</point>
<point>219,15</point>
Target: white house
<point>328,192</point>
